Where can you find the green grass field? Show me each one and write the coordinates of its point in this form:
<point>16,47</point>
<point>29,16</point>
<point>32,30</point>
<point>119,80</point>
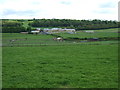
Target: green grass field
<point>83,66</point>
<point>97,34</point>
<point>73,65</point>
<point>40,39</point>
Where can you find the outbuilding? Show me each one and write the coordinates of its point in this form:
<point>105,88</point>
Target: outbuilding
<point>35,32</point>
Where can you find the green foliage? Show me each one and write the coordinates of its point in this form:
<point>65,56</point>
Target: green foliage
<point>119,24</point>
<point>12,27</point>
<point>60,23</point>
<point>29,29</point>
<point>11,24</point>
<point>77,24</point>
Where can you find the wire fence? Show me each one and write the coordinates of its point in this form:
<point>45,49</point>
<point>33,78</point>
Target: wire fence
<point>20,40</point>
<point>32,42</point>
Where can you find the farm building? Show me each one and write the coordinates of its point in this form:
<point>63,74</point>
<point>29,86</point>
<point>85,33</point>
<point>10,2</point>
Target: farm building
<point>91,31</point>
<point>57,30</point>
<point>70,31</point>
<point>24,32</point>
<point>35,32</point>
<point>53,30</point>
<point>38,29</point>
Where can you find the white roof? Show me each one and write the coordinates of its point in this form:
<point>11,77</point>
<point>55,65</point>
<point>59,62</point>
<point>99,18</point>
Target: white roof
<point>89,31</point>
<point>38,28</point>
<point>46,29</point>
<point>34,31</point>
<point>59,29</point>
<point>55,28</point>
<point>69,29</point>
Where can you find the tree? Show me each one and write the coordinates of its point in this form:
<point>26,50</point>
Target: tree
<point>29,29</point>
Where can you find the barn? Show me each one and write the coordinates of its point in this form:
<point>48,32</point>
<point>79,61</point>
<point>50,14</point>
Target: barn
<point>57,30</point>
<point>24,32</point>
<point>35,32</point>
<point>91,31</point>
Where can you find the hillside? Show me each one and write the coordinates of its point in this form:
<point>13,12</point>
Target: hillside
<point>19,25</point>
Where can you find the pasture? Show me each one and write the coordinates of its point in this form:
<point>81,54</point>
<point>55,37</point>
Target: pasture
<point>17,39</point>
<point>97,33</point>
<point>52,64</point>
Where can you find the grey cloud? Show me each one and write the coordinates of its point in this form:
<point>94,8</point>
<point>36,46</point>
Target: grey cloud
<point>14,12</point>
<point>103,11</point>
<point>107,5</point>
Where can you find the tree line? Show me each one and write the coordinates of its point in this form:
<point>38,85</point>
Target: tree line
<point>76,24</point>
<point>16,26</point>
<point>12,27</point>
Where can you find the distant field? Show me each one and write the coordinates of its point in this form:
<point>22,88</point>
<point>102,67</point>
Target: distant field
<point>108,30</point>
<point>97,33</point>
<point>40,39</point>
<point>29,39</point>
<point>22,36</point>
<point>53,64</point>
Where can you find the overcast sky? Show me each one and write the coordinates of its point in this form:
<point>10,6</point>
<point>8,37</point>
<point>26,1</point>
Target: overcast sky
<point>59,9</point>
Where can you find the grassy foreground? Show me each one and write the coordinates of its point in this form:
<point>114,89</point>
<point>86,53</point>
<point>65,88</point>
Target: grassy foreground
<point>73,66</point>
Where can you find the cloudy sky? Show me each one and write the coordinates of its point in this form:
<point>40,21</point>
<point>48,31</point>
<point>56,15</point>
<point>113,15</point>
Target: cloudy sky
<point>59,9</point>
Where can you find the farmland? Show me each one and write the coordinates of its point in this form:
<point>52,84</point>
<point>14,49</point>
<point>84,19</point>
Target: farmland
<point>97,34</point>
<point>40,62</point>
<point>41,39</point>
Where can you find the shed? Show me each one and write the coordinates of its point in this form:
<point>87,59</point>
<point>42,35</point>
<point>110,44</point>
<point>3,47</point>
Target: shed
<point>91,31</point>
<point>35,31</point>
<point>24,32</point>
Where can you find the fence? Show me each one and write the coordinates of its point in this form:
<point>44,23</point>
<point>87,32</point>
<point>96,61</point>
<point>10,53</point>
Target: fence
<point>20,40</point>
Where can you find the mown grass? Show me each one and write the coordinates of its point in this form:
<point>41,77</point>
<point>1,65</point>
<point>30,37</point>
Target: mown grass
<point>74,66</point>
